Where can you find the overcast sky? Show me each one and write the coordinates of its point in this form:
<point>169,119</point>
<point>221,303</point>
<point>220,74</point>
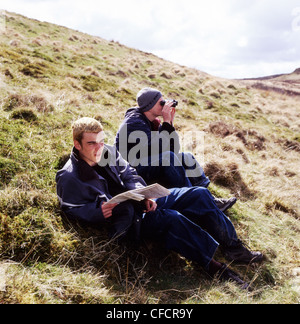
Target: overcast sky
<point>226,38</point>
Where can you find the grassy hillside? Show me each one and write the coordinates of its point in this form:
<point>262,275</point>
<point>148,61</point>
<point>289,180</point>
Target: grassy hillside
<point>51,76</point>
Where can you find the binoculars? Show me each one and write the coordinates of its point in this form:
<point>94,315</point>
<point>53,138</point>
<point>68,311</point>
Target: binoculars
<point>175,103</point>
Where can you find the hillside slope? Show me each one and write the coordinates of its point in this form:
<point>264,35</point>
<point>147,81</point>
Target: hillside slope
<point>51,76</point>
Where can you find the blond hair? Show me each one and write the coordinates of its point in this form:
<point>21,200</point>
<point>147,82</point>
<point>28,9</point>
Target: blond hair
<point>85,125</point>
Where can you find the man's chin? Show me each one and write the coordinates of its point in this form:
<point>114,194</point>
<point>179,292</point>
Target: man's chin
<point>97,160</point>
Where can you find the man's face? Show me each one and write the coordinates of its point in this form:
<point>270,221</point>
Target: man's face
<point>91,147</point>
<point>158,107</point>
<point>156,111</point>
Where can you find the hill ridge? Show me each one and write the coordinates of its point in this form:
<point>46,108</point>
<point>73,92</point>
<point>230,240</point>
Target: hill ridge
<point>297,71</point>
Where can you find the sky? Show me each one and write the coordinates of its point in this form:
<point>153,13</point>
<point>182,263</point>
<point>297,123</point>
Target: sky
<point>225,38</point>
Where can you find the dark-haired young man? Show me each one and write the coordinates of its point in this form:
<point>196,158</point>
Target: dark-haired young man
<point>153,147</point>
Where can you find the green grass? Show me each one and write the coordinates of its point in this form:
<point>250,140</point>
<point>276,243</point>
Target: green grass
<point>51,76</point>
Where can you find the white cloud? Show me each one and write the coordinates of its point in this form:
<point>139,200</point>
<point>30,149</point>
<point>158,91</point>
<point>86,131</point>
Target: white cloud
<point>232,38</point>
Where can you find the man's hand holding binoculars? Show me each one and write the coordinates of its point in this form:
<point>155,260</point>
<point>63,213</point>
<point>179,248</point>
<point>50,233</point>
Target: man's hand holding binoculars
<point>168,111</point>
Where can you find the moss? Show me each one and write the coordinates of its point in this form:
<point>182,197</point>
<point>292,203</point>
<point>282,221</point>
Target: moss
<point>8,169</point>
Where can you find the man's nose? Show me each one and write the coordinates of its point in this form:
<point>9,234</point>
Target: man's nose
<point>99,146</point>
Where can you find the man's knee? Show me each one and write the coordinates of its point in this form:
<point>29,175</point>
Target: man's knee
<point>202,192</point>
<point>192,195</point>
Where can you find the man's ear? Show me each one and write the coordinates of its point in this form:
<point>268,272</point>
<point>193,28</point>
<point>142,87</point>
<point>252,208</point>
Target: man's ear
<point>77,145</point>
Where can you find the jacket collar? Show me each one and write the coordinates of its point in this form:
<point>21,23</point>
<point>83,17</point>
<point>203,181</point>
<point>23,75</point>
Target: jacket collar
<point>136,113</point>
<point>85,171</point>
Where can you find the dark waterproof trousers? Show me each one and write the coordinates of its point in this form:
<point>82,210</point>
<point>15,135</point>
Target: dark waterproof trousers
<point>187,222</point>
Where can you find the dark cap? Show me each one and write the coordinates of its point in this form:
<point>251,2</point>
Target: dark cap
<point>147,98</point>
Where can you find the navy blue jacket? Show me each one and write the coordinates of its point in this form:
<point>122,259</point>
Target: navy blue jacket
<point>82,191</point>
<point>137,130</point>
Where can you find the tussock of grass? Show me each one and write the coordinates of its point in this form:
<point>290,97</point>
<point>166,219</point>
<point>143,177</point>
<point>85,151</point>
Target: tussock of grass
<point>51,76</point>
<point>230,177</point>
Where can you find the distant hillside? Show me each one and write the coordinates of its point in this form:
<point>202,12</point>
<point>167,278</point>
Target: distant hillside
<point>288,84</point>
<point>287,76</point>
<point>49,77</point>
